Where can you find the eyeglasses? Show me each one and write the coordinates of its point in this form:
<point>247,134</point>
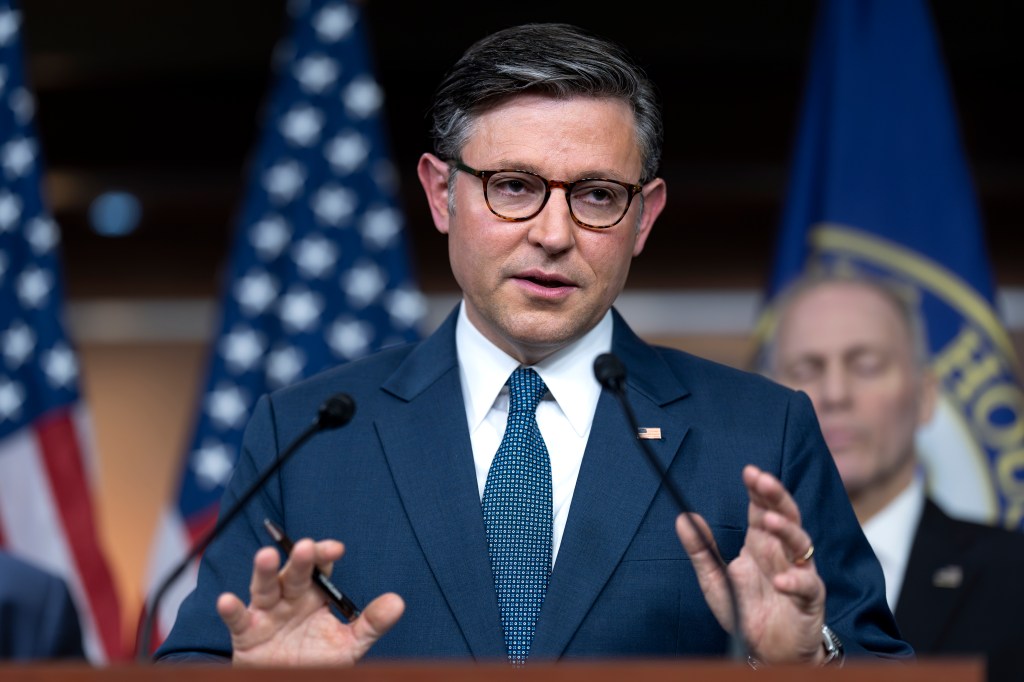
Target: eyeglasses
<point>518,195</point>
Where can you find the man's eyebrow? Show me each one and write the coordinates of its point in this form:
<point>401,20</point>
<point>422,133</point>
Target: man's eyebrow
<point>813,358</point>
<point>862,348</point>
<point>605,173</point>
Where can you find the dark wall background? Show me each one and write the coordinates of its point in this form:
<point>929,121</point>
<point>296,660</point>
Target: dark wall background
<point>162,98</point>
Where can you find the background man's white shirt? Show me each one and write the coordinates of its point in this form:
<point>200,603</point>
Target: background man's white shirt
<point>891,534</point>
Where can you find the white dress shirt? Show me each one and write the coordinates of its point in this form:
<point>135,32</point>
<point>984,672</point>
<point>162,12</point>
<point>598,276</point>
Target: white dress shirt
<point>564,415</point>
<point>891,534</point>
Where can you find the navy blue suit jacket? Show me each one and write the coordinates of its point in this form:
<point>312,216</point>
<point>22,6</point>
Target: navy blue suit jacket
<point>37,617</point>
<point>398,487</point>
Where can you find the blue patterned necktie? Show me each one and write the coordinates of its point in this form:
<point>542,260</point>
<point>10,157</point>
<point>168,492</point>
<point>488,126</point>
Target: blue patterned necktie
<point>517,515</point>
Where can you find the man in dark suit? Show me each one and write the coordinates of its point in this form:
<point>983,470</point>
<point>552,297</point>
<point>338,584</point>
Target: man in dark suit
<point>441,453</point>
<point>37,617</point>
<point>857,348</point>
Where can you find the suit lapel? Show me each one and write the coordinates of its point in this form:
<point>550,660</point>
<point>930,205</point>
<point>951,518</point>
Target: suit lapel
<point>616,486</point>
<point>426,442</point>
<point>933,585</point>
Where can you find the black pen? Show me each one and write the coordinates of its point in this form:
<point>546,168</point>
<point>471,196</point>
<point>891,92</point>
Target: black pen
<point>344,604</point>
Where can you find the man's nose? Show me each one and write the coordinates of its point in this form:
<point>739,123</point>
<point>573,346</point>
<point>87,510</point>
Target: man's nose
<point>553,229</point>
<point>834,388</point>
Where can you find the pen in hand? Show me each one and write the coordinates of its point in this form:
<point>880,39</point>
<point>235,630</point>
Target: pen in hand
<point>339,599</point>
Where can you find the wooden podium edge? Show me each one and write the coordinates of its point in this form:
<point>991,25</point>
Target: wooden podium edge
<point>619,670</point>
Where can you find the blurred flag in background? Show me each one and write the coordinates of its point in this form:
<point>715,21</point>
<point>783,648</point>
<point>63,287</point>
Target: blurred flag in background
<point>319,273</point>
<point>880,185</point>
<point>47,462</point>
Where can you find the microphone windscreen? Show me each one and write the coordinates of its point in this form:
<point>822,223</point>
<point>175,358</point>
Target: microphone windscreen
<point>336,411</point>
<point>609,371</point>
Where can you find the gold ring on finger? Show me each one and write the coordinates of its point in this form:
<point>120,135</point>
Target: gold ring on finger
<point>801,560</point>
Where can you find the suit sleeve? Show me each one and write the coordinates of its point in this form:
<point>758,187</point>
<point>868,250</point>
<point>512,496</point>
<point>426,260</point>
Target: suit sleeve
<point>855,605</point>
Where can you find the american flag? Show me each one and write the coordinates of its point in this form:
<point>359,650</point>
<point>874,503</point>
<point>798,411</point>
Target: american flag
<point>47,464</point>
<point>320,272</point>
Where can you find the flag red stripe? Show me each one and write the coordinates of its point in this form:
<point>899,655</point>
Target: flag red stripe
<point>201,522</point>
<point>62,458</point>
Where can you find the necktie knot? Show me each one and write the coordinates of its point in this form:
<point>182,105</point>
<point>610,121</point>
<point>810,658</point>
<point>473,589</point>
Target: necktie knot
<point>525,389</point>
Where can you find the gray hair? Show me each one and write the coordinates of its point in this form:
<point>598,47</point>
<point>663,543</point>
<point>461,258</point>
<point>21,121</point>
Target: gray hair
<point>902,299</point>
<point>558,60</point>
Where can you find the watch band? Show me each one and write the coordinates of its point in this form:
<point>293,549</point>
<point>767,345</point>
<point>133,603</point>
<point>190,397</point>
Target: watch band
<point>834,655</point>
<point>833,647</point>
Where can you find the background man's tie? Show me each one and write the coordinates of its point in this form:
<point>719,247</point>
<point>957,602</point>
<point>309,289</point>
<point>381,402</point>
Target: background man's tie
<point>517,515</point>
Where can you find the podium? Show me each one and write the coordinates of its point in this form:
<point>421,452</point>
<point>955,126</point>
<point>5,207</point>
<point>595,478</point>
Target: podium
<point>618,670</point>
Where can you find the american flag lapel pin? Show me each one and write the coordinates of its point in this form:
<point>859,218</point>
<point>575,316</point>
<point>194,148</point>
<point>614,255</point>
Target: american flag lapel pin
<point>649,432</point>
<point>948,577</point>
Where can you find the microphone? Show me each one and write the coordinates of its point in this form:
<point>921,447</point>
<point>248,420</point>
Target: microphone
<point>334,413</point>
<point>611,374</point>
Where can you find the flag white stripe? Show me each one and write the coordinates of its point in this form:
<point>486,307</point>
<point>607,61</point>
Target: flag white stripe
<point>170,546</point>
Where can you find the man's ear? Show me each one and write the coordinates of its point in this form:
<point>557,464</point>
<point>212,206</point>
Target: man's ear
<point>654,203</point>
<point>433,174</point>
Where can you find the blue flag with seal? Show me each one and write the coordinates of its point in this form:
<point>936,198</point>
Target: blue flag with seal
<point>880,185</point>
<point>319,271</point>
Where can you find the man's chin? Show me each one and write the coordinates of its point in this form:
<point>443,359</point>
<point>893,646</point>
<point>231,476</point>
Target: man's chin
<point>853,478</point>
<point>544,329</point>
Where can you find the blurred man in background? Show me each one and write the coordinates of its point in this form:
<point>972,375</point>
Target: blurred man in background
<point>857,348</point>
<point>37,617</point>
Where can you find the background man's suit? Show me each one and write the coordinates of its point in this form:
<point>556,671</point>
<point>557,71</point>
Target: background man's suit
<point>37,616</point>
<point>398,487</point>
<point>958,593</point>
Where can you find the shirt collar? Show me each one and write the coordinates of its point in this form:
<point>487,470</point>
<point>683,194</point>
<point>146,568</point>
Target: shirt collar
<point>897,521</point>
<point>568,373</point>
<point>891,533</point>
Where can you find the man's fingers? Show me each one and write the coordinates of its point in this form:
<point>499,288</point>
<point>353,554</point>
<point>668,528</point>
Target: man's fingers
<point>803,586</point>
<point>379,616</point>
<point>795,541</point>
<point>296,578</point>
<point>699,543</point>
<point>767,493</point>
<point>264,589</point>
<point>326,552</point>
<point>271,583</point>
<point>233,612</point>
<point>695,534</point>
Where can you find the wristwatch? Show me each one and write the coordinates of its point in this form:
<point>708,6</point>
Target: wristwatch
<point>834,655</point>
<point>833,647</point>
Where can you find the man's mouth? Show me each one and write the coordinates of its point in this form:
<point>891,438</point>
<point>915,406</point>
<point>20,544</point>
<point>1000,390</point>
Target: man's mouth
<point>839,438</point>
<point>549,283</point>
<point>545,280</point>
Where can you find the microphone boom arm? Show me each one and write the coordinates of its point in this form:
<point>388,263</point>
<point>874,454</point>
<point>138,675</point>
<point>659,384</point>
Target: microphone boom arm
<point>336,411</point>
<point>611,374</point>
